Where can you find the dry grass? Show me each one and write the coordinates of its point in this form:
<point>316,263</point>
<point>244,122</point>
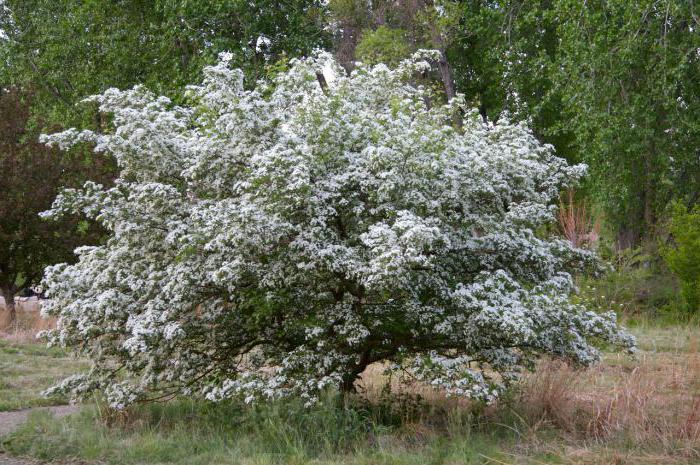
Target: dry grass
<point>28,323</point>
<point>625,410</point>
<point>655,403</point>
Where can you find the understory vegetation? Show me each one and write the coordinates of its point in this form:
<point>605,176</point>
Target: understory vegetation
<point>28,369</point>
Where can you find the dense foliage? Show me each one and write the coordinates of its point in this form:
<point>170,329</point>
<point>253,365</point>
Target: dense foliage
<point>629,77</point>
<point>277,241</point>
<point>614,84</point>
<point>70,49</point>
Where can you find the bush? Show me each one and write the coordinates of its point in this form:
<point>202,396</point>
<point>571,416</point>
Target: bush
<point>636,284</point>
<point>277,241</point>
<point>683,258</point>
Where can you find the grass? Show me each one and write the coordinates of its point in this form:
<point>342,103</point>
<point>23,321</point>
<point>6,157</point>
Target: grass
<point>26,369</point>
<point>624,411</point>
<point>199,433</point>
<point>643,410</point>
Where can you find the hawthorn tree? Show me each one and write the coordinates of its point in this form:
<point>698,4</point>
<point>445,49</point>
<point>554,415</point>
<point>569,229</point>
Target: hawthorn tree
<point>31,175</point>
<point>277,241</point>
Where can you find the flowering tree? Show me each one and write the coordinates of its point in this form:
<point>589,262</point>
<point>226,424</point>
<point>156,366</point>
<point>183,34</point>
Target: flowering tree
<point>277,241</point>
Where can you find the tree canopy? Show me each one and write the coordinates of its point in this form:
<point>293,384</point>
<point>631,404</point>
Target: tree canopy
<point>73,49</point>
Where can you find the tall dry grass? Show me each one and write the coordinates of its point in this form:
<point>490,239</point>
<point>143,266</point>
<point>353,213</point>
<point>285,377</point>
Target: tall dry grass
<point>649,404</point>
<point>28,323</point>
<point>653,402</point>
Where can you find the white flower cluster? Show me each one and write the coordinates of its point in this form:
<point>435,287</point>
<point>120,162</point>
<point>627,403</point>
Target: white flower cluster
<point>277,241</point>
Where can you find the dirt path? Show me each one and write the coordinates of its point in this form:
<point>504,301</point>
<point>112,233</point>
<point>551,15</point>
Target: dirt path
<point>9,421</point>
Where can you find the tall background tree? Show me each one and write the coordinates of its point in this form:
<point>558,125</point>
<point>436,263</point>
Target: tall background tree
<point>72,49</point>
<point>388,30</point>
<point>629,76</point>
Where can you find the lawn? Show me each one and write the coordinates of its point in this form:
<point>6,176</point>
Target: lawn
<point>27,368</point>
<point>642,410</point>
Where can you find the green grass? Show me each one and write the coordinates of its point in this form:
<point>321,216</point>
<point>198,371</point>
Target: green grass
<point>27,369</point>
<point>202,433</point>
<point>677,339</point>
<point>194,433</point>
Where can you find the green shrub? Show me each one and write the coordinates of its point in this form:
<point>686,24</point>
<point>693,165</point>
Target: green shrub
<point>683,257</point>
<point>636,285</point>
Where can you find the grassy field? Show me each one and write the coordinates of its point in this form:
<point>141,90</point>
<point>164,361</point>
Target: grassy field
<point>26,369</point>
<point>643,410</point>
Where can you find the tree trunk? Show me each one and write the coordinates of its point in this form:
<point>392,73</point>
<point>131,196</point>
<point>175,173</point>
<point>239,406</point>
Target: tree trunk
<point>347,384</point>
<point>9,296</point>
<point>649,198</point>
<point>345,52</point>
<point>446,74</point>
<point>627,237</point>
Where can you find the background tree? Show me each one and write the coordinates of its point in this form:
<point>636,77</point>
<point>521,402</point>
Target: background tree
<point>628,74</point>
<point>383,45</point>
<point>380,31</point>
<point>70,50</point>
<point>31,177</point>
<point>683,257</point>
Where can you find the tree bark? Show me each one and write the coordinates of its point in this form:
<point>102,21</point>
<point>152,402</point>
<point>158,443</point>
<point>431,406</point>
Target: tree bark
<point>446,74</point>
<point>347,384</point>
<point>649,196</point>
<point>9,295</point>
<point>447,77</point>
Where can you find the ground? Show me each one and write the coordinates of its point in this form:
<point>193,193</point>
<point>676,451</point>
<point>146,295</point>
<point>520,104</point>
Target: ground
<point>641,410</point>
<point>27,368</point>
